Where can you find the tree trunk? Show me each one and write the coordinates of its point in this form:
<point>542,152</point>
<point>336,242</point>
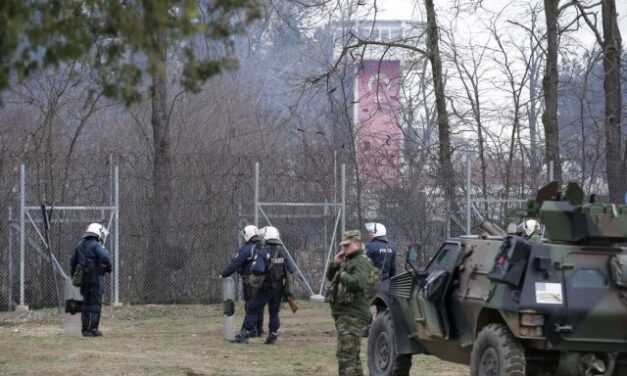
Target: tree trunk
<point>534,158</point>
<point>583,97</point>
<point>512,146</point>
<point>157,289</point>
<point>446,172</point>
<point>549,84</point>
<point>615,169</point>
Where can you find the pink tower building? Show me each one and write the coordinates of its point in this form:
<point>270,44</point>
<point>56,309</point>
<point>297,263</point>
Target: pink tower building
<point>377,132</point>
<point>378,136</point>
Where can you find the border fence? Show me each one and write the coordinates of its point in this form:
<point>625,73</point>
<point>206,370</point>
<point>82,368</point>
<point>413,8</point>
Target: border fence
<point>213,200</point>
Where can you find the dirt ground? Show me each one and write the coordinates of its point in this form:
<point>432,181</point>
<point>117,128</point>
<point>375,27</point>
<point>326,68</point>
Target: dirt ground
<point>177,340</point>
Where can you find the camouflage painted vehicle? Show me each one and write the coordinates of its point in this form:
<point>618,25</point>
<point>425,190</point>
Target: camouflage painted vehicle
<point>551,301</point>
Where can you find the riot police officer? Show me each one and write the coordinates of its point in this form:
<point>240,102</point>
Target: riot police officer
<point>274,286</point>
<point>380,251</point>
<point>90,262</point>
<point>241,264</point>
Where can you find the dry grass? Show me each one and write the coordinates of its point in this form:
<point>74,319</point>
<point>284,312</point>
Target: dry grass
<point>176,340</point>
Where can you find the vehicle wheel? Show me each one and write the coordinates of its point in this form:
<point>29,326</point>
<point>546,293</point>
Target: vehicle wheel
<point>383,358</point>
<point>610,364</point>
<point>609,359</point>
<point>497,353</point>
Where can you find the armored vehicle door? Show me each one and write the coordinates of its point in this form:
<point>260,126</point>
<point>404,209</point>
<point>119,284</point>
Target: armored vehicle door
<point>594,303</point>
<point>432,296</point>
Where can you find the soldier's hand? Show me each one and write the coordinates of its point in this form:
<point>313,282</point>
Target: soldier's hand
<point>340,257</point>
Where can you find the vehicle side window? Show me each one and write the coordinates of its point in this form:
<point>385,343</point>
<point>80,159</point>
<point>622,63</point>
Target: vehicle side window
<point>588,278</point>
<point>445,259</point>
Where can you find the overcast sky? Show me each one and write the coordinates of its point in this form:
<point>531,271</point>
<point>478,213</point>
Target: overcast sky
<point>412,9</point>
<point>470,28</point>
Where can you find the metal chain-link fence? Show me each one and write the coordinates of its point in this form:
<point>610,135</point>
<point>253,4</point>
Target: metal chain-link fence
<point>28,277</point>
<point>212,200</point>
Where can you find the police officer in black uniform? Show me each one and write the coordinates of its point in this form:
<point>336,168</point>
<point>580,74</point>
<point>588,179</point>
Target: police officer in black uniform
<point>94,261</point>
<point>241,264</point>
<point>273,290</point>
<point>380,251</point>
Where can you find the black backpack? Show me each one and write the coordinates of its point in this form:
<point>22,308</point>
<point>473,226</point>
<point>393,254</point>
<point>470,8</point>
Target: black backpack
<point>278,264</point>
<point>83,267</point>
<point>258,268</point>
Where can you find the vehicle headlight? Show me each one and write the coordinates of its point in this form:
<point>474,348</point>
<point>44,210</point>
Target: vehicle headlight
<point>531,324</point>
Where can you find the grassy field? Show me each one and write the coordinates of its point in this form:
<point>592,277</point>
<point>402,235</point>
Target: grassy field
<point>177,340</point>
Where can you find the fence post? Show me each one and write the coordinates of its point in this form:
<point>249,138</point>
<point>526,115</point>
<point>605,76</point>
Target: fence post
<point>10,256</point>
<point>343,199</point>
<point>116,238</point>
<point>257,194</point>
<point>22,306</point>
<point>468,196</point>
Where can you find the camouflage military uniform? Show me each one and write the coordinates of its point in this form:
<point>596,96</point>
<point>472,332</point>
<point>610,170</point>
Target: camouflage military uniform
<point>349,330</point>
<point>349,305</point>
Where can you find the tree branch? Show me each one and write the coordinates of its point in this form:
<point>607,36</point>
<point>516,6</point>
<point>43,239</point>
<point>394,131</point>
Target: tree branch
<point>591,25</point>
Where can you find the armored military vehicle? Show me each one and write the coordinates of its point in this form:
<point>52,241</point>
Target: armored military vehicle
<point>548,297</point>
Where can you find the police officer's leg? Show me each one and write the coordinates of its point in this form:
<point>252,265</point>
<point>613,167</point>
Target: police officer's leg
<point>252,316</point>
<point>245,313</point>
<point>349,345</point>
<point>274,306</point>
<point>247,292</point>
<point>85,311</point>
<point>97,312</point>
<point>90,309</point>
<point>85,321</point>
<point>260,322</point>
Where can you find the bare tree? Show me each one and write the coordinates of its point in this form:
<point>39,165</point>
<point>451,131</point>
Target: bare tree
<point>534,53</point>
<point>581,88</point>
<point>447,173</point>
<point>536,56</point>
<point>611,45</point>
<point>550,86</point>
<point>516,84</point>
<point>471,76</point>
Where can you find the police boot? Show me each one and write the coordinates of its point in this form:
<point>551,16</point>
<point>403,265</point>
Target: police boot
<point>272,338</point>
<point>96,325</point>
<point>242,337</point>
<point>85,321</point>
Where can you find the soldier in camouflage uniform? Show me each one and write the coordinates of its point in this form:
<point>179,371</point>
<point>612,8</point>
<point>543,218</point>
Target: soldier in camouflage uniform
<point>350,274</point>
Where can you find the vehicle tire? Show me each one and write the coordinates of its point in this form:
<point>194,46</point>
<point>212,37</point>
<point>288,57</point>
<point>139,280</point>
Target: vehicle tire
<point>610,363</point>
<point>497,353</point>
<point>383,356</point>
